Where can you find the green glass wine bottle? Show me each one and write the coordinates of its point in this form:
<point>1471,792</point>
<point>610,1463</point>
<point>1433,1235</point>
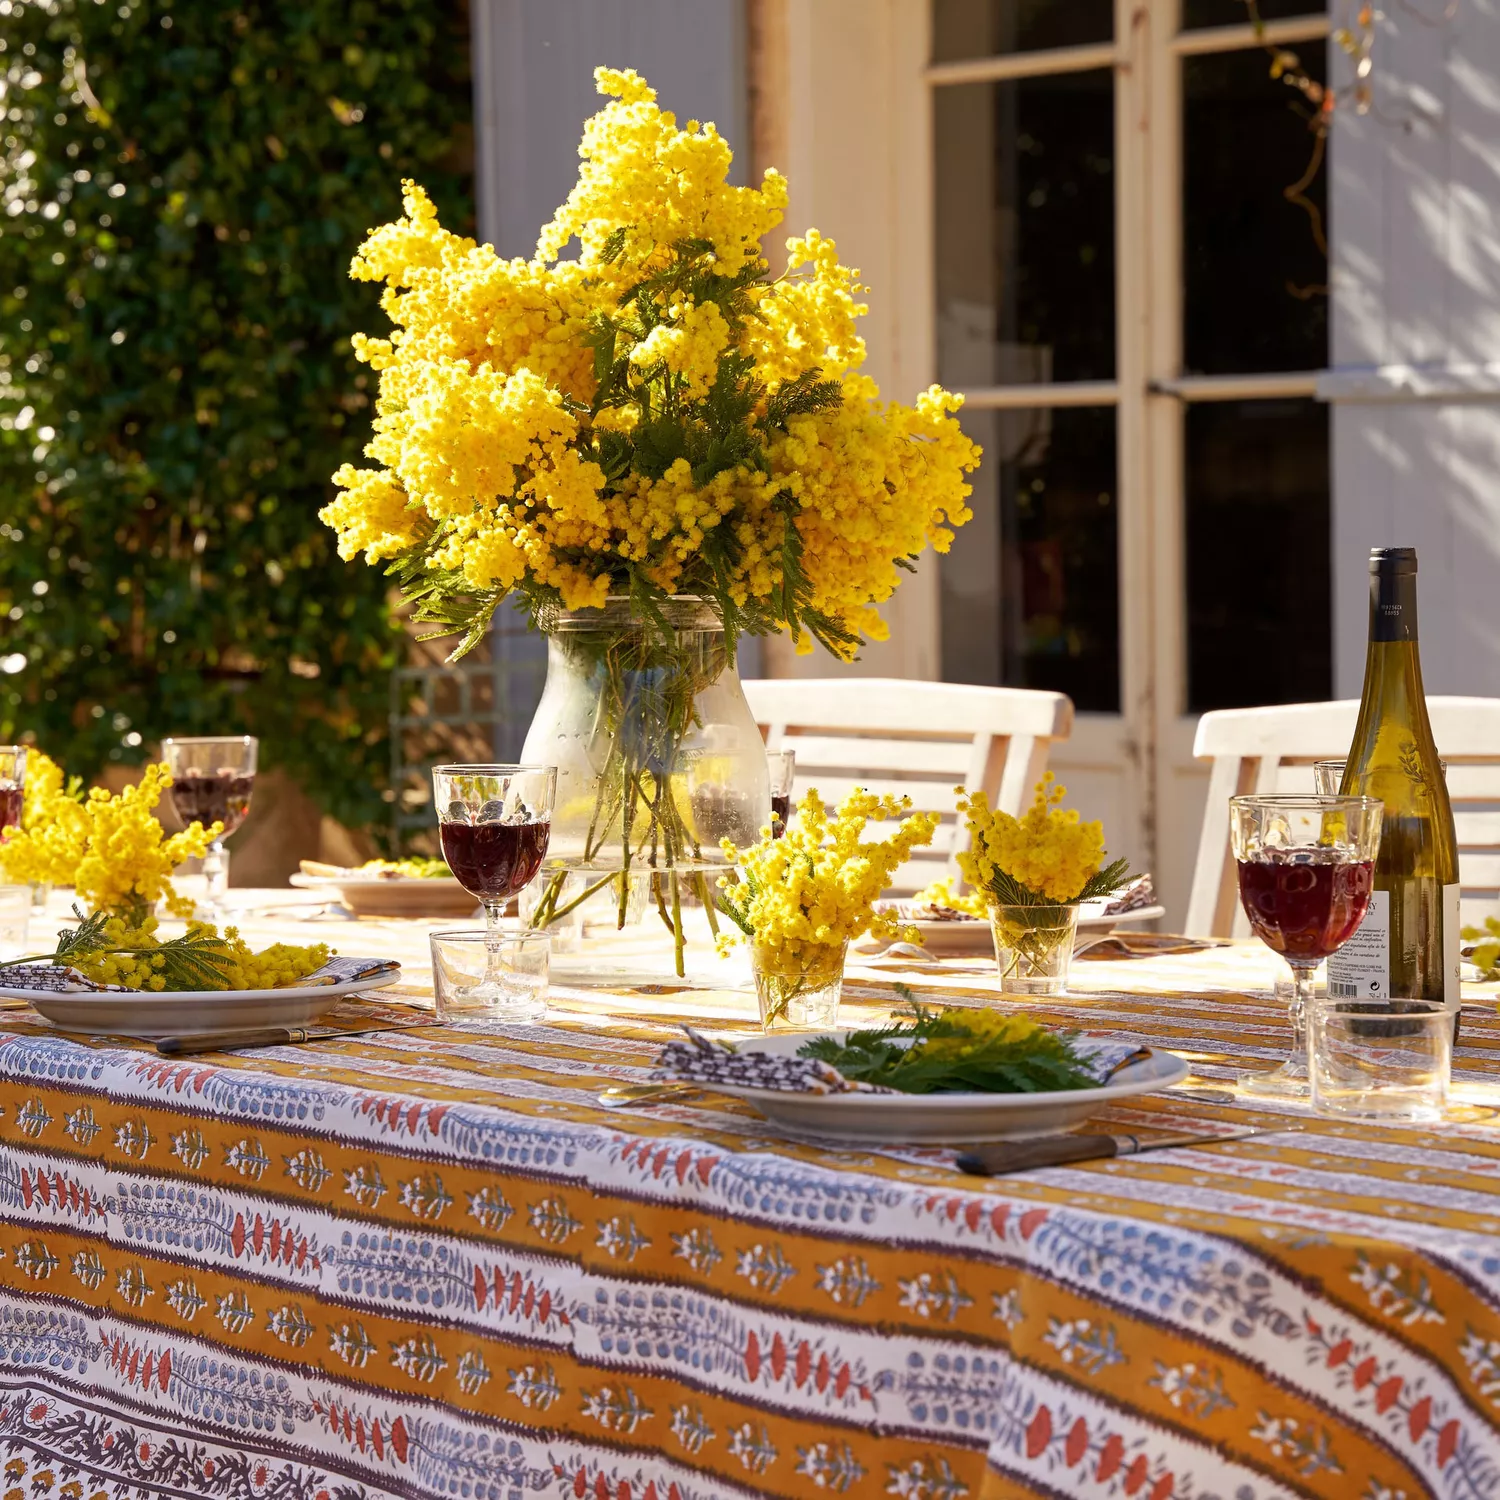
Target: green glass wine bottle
<point>1408,944</point>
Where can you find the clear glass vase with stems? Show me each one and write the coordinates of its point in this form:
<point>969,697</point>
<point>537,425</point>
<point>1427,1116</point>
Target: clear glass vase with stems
<point>798,992</point>
<point>1034,946</point>
<point>213,778</point>
<point>658,756</point>
<point>494,825</point>
<point>1306,867</point>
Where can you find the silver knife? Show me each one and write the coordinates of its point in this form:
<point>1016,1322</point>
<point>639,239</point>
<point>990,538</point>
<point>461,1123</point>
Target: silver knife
<point>266,1036</point>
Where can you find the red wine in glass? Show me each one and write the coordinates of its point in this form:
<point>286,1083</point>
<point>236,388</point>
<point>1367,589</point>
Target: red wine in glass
<point>494,861</point>
<point>212,797</point>
<point>10,807</point>
<point>781,810</point>
<point>1306,903</point>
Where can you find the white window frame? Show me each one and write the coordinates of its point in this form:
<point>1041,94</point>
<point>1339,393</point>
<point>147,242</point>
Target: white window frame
<point>1151,737</point>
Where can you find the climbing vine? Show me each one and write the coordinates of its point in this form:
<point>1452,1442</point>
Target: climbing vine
<point>181,188</point>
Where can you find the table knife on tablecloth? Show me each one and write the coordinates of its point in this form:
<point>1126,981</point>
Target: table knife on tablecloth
<point>1000,1157</point>
<point>264,1036</point>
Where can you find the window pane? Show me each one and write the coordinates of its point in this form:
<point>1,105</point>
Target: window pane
<point>1237,13</point>
<point>1030,595</point>
<point>1255,279</point>
<point>982,28</point>
<point>1260,606</point>
<point>1025,230</point>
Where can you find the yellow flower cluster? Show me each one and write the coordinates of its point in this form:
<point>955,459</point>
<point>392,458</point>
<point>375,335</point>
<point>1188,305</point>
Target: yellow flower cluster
<point>110,848</point>
<point>811,891</point>
<point>487,443</point>
<point>45,849</point>
<point>945,895</point>
<point>140,968</point>
<point>1048,851</point>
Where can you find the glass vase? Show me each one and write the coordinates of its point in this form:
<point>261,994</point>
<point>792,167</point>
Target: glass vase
<point>657,754</point>
<point>1034,947</point>
<point>795,993</point>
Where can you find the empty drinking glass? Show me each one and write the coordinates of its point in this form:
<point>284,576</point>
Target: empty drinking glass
<point>479,978</point>
<point>1381,1059</point>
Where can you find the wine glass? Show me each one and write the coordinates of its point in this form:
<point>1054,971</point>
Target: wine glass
<point>782,766</point>
<point>213,777</point>
<point>1305,866</point>
<point>494,823</point>
<point>12,785</point>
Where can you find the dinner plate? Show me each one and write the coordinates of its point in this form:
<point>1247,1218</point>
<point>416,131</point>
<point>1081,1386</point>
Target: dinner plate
<point>401,896</point>
<point>153,1013</point>
<point>944,1119</point>
<point>973,935</point>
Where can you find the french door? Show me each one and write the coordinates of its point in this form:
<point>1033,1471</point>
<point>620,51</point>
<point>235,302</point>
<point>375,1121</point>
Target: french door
<point>1130,286</point>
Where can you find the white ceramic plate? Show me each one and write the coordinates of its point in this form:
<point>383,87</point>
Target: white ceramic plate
<point>973,935</point>
<point>168,1013</point>
<point>402,896</point>
<point>946,1119</point>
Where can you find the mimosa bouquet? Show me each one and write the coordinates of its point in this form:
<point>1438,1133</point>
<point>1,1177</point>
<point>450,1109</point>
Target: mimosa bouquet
<point>653,448</point>
<point>114,852</point>
<point>657,417</point>
<point>1032,872</point>
<point>802,898</point>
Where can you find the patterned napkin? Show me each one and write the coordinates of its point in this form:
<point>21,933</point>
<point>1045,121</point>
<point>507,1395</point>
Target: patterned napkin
<point>698,1060</point>
<point>54,979</point>
<point>345,970</point>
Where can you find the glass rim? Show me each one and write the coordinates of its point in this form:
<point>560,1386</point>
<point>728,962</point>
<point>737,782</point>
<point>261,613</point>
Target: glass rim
<point>489,768</point>
<point>1304,801</point>
<point>479,935</point>
<point>205,739</point>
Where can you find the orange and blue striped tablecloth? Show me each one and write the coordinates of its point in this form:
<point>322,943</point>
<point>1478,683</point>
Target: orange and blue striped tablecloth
<point>427,1264</point>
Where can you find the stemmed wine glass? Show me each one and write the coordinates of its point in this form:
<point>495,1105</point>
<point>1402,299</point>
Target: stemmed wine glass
<point>1305,868</point>
<point>782,766</point>
<point>12,785</point>
<point>213,777</point>
<point>494,823</point>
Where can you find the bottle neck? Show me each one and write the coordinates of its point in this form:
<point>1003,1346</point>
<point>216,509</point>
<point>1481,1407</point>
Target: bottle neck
<point>1393,607</point>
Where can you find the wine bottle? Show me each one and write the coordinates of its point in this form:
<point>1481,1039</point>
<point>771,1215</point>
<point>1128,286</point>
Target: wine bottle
<point>1408,944</point>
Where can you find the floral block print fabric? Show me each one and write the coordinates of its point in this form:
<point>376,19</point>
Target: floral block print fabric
<point>427,1264</point>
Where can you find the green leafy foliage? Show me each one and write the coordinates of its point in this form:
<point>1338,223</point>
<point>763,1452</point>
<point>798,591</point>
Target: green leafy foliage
<point>1009,891</point>
<point>183,187</point>
<point>939,1052</point>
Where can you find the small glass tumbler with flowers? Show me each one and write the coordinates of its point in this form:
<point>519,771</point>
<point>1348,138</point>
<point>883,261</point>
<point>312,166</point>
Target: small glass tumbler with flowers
<point>800,898</point>
<point>1033,872</point>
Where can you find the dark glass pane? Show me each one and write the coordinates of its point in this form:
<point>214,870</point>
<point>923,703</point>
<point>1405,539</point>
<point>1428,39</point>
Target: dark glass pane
<point>982,28</point>
<point>1260,608</point>
<point>1030,593</point>
<point>1025,230</point>
<point>1255,278</point>
<point>1238,13</point>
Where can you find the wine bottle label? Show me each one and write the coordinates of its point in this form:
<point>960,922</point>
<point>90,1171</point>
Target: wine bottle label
<point>1452,944</point>
<point>1361,969</point>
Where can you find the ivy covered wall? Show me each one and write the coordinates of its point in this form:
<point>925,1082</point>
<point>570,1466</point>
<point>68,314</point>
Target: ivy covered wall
<point>181,188</point>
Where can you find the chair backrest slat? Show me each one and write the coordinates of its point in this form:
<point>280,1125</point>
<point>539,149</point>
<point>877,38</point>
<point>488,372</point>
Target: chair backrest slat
<point>1273,749</point>
<point>920,739</point>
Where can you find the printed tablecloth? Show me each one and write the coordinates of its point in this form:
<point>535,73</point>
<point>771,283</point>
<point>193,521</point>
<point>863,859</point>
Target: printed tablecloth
<point>426,1264</point>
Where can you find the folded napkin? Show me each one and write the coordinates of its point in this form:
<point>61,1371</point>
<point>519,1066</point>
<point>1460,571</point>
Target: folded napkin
<point>698,1060</point>
<point>57,979</point>
<point>345,970</point>
<point>1106,1058</point>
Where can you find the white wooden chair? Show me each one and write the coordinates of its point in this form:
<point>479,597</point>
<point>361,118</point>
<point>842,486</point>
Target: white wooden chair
<point>1273,750</point>
<point>914,739</point>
